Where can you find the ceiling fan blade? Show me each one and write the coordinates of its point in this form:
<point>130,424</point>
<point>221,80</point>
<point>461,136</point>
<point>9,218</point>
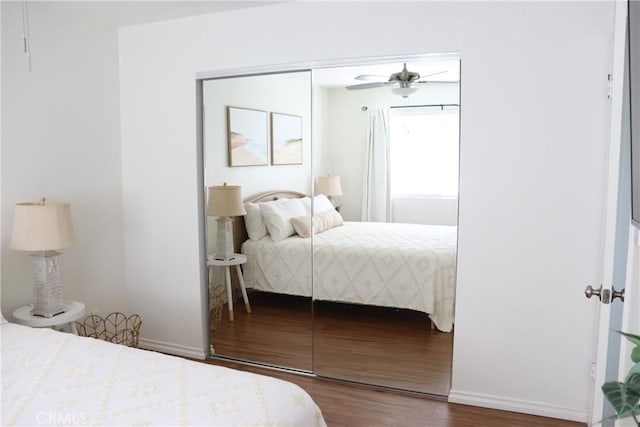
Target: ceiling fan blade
<point>435,74</point>
<point>368,85</point>
<point>436,81</point>
<point>444,81</point>
<point>368,77</point>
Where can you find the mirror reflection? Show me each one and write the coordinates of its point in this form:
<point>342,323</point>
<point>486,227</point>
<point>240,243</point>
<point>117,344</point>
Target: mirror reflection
<point>257,136</point>
<point>384,281</point>
<point>361,221</point>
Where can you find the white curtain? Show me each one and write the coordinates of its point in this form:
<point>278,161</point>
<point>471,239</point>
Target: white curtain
<point>376,200</point>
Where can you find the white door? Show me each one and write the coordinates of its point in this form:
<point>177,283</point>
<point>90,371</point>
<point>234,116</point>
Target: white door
<point>613,361</point>
<point>631,313</point>
<point>621,268</point>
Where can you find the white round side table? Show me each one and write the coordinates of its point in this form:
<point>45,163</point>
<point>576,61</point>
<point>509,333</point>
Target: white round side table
<point>236,260</point>
<point>75,311</point>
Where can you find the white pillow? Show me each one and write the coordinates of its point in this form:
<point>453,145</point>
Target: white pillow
<point>321,222</point>
<point>306,202</point>
<point>277,217</point>
<point>321,204</point>
<point>256,229</point>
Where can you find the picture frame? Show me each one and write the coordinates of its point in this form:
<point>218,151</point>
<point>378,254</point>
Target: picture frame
<point>286,139</point>
<point>247,137</point>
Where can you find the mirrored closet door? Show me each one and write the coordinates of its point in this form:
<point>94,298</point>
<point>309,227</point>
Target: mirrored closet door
<point>384,279</point>
<point>365,293</point>
<point>257,135</point>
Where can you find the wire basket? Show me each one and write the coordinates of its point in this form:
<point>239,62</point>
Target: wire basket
<point>216,306</point>
<point>116,328</point>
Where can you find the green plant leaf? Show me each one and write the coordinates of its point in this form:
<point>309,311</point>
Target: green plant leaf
<point>635,369</point>
<point>635,354</point>
<point>633,381</point>
<point>631,337</point>
<point>624,397</point>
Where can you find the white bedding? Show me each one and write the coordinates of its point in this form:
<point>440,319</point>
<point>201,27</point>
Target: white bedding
<point>385,264</point>
<point>54,378</point>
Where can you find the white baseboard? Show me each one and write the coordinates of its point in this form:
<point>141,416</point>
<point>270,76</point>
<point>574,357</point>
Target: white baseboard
<point>175,349</point>
<point>515,405</point>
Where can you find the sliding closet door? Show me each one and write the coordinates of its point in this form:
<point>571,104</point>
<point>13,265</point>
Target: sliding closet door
<point>257,135</point>
<point>384,273</point>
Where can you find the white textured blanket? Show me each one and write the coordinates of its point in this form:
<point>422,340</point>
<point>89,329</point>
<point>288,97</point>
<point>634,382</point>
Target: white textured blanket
<point>53,378</point>
<point>392,265</point>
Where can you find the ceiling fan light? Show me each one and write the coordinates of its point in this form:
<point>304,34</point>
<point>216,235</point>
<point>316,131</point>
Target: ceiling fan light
<point>404,91</point>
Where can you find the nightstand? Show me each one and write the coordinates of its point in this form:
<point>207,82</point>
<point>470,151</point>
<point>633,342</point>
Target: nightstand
<point>75,311</point>
<point>236,261</point>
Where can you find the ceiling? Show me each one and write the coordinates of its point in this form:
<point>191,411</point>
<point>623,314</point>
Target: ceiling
<point>118,13</point>
<point>124,13</point>
<point>448,70</point>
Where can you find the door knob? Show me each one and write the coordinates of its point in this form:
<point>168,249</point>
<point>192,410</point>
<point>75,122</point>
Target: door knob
<point>603,295</point>
<point>589,291</point>
<point>617,294</point>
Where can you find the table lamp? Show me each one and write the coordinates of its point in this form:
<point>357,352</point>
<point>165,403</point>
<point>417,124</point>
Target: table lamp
<point>224,202</point>
<point>43,228</point>
<point>329,186</point>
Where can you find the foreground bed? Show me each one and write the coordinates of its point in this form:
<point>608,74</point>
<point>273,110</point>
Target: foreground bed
<point>54,378</point>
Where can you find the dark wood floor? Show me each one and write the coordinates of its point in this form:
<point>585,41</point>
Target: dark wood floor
<point>351,405</point>
<point>280,331</point>
<point>383,346</point>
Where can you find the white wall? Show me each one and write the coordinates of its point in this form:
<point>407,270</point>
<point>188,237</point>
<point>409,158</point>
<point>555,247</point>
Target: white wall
<point>435,210</point>
<point>284,93</point>
<point>280,93</point>
<point>60,140</point>
<point>533,156</point>
<point>1,210</point>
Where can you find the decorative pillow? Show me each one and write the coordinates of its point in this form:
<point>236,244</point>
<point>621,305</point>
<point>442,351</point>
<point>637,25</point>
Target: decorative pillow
<point>306,203</point>
<point>321,203</point>
<point>256,228</point>
<point>277,217</point>
<point>321,222</point>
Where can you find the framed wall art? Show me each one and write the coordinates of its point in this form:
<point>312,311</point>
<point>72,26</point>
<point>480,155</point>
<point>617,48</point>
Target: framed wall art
<point>248,135</point>
<point>286,139</point>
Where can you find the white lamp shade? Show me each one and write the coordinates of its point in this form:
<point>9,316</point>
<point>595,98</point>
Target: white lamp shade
<point>329,185</point>
<point>225,200</point>
<point>42,226</point>
<point>404,91</point>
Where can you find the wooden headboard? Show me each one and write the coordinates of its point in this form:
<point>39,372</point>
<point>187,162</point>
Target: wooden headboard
<point>239,230</point>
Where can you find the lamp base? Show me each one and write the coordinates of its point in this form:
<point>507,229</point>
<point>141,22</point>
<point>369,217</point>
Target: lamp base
<point>224,239</point>
<point>47,290</point>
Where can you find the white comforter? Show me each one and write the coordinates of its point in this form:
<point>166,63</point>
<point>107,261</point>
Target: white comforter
<point>393,265</point>
<point>54,378</point>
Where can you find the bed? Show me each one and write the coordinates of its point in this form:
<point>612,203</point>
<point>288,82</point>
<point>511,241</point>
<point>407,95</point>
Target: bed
<point>56,378</point>
<point>408,266</point>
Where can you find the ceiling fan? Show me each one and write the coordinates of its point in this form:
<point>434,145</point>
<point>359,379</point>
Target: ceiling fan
<point>403,83</point>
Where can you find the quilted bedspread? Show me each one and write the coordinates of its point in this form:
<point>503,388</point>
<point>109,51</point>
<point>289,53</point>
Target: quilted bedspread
<point>385,264</point>
<point>55,378</point>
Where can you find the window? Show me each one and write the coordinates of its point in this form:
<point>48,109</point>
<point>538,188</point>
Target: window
<point>424,151</point>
